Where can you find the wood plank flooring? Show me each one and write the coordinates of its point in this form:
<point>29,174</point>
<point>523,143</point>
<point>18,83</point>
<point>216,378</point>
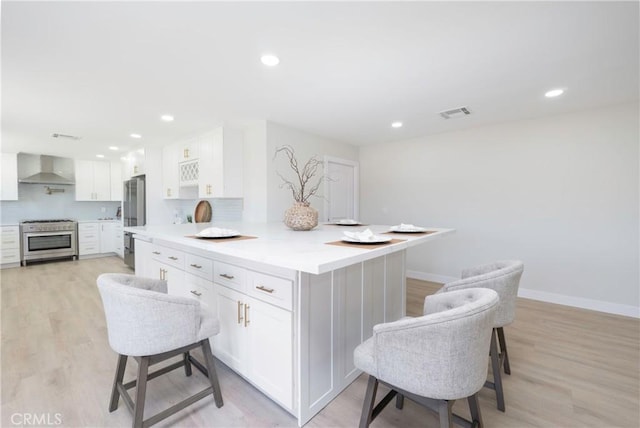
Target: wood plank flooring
<point>570,367</point>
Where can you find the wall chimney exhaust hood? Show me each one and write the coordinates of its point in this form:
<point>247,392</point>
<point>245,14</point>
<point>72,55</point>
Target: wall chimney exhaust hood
<point>43,169</point>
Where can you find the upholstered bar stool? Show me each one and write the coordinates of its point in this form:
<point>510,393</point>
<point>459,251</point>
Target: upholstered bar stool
<point>146,323</point>
<point>434,359</point>
<point>504,278</point>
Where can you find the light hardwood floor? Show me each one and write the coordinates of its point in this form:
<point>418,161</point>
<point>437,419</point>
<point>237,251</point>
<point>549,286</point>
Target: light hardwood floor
<point>570,367</point>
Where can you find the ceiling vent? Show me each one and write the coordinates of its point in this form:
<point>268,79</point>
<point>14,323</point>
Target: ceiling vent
<point>69,137</point>
<point>455,112</point>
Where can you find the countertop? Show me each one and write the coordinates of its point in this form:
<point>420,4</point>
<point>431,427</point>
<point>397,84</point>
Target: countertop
<point>101,220</point>
<point>282,247</point>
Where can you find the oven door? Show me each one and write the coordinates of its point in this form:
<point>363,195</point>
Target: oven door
<point>40,245</point>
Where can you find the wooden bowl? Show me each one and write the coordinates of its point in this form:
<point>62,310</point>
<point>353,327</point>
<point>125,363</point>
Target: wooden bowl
<point>203,212</point>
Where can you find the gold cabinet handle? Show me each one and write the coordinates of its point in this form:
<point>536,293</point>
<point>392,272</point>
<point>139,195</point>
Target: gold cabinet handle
<point>208,189</point>
<point>173,258</point>
<point>246,315</point>
<point>195,293</point>
<point>135,169</point>
<point>224,275</point>
<point>162,271</point>
<point>240,318</point>
<point>193,265</point>
<point>168,192</point>
<point>263,288</point>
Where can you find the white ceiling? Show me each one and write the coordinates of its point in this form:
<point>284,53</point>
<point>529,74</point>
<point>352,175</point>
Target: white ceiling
<point>103,70</point>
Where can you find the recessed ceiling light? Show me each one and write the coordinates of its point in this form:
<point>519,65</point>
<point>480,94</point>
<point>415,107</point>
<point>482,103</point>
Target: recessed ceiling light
<point>396,125</point>
<point>114,148</point>
<point>167,118</point>
<point>135,135</point>
<point>554,93</point>
<point>270,60</point>
<point>99,156</point>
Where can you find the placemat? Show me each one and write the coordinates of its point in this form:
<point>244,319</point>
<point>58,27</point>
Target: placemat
<point>364,246</point>
<point>235,238</point>
<point>426,232</point>
<point>346,225</point>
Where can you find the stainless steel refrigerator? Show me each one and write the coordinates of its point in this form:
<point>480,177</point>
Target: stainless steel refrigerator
<point>133,214</point>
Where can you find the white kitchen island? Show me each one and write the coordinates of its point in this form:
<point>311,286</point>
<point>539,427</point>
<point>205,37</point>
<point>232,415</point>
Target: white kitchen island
<point>292,307</point>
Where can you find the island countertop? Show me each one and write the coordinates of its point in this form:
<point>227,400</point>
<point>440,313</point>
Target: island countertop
<point>276,245</point>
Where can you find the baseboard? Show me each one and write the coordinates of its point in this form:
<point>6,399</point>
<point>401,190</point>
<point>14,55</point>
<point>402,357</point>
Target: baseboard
<point>544,296</point>
<point>581,302</point>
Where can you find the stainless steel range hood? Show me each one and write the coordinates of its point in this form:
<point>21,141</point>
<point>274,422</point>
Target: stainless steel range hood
<point>43,169</point>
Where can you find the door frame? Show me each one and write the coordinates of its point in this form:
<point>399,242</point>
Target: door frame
<point>356,184</point>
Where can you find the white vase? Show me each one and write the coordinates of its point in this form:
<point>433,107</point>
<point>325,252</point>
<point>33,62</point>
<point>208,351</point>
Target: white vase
<point>301,216</point>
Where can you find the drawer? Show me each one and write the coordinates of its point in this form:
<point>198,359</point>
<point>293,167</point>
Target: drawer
<point>10,230</point>
<point>271,289</point>
<point>8,241</point>
<point>88,227</point>
<point>229,275</point>
<point>88,237</point>
<point>168,255</point>
<point>198,288</point>
<point>199,266</point>
<point>85,248</point>
<point>11,255</point>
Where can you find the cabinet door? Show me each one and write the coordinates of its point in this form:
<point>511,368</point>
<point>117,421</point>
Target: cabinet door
<point>173,276</point>
<point>230,344</point>
<point>102,181</point>
<point>221,164</point>
<point>270,354</point>
<point>84,180</point>
<point>116,181</point>
<point>9,183</point>
<point>170,171</point>
<point>108,237</point>
<point>143,260</point>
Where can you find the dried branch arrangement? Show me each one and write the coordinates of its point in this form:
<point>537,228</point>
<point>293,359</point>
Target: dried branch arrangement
<point>301,189</point>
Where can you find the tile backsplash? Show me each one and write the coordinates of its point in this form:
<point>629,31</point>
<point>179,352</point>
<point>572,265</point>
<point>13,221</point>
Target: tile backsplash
<point>34,204</point>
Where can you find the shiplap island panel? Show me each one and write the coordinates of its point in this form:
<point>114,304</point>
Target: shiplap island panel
<point>292,308</point>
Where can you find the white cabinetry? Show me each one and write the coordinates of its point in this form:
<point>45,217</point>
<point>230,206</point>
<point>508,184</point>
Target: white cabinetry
<point>170,172</point>
<point>255,336</point>
<point>116,181</point>
<point>9,244</point>
<point>88,238</point>
<point>93,180</point>
<point>144,259</point>
<point>100,238</point>
<point>221,164</point>
<point>9,177</point>
<point>135,163</point>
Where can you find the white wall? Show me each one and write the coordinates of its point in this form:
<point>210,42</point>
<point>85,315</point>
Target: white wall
<point>559,193</point>
<point>255,172</point>
<point>305,146</point>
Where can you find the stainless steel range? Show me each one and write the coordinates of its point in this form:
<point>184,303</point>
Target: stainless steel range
<point>48,239</point>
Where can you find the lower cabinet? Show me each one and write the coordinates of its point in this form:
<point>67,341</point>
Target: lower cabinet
<point>256,340</point>
<point>100,238</point>
<point>9,245</point>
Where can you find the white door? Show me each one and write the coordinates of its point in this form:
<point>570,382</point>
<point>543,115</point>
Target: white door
<point>341,189</point>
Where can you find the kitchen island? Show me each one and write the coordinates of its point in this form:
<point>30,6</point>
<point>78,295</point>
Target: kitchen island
<point>292,305</point>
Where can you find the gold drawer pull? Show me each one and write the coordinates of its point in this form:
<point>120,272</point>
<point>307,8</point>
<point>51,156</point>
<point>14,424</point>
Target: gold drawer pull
<point>240,318</point>
<point>173,258</point>
<point>263,288</point>
<point>246,315</point>
<point>195,266</point>
<point>196,293</point>
<point>224,275</point>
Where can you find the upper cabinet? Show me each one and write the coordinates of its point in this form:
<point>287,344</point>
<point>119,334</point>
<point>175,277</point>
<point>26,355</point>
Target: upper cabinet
<point>9,183</point>
<point>135,163</point>
<point>209,166</point>
<point>116,181</point>
<point>93,180</point>
<point>187,151</point>
<point>220,164</point>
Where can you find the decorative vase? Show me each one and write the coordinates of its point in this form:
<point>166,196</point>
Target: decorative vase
<point>301,216</point>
